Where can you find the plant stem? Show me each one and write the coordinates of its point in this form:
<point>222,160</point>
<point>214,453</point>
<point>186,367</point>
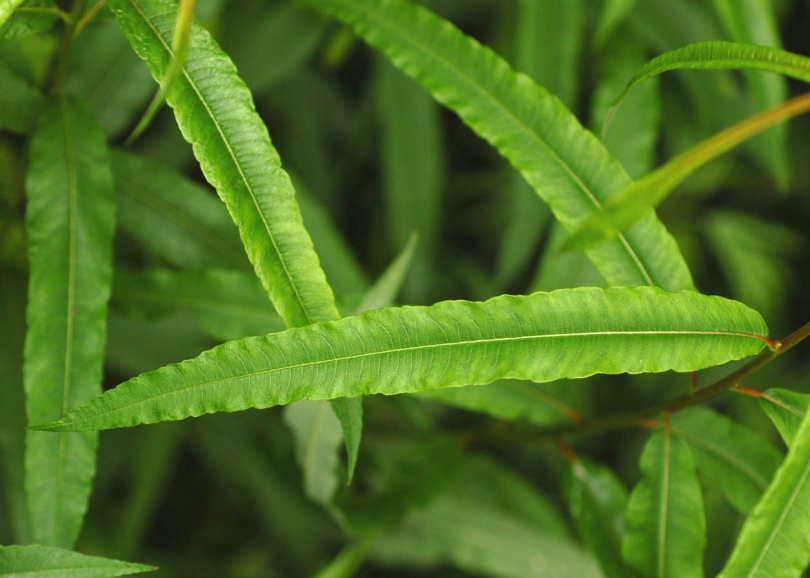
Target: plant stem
<point>67,45</point>
<point>637,418</point>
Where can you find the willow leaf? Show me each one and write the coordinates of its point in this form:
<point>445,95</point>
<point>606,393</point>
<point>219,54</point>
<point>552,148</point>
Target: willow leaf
<point>43,562</point>
<point>568,167</point>
<point>215,112</point>
<point>739,461</point>
<point>70,219</point>
<point>786,409</point>
<point>542,337</point>
<point>722,55</point>
<point>775,540</point>
<point>666,527</point>
<point>636,201</point>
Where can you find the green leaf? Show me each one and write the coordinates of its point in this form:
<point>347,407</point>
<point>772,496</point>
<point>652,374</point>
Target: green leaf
<point>541,337</point>
<point>666,528</point>
<point>348,562</point>
<point>12,404</point>
<point>738,460</point>
<point>43,562</point>
<point>413,170</point>
<point>786,409</point>
<point>387,287</point>
<point>216,114</point>
<point>754,22</point>
<point>470,527</point>
<point>597,501</point>
<point>176,219</point>
<point>612,15</point>
<point>775,540</point>
<point>722,55</point>
<point>6,8</point>
<point>228,304</point>
<point>70,220</point>
<point>505,399</point>
<point>350,414</point>
<point>19,102</point>
<point>636,201</point>
<point>317,434</point>
<point>31,17</point>
<point>565,164</point>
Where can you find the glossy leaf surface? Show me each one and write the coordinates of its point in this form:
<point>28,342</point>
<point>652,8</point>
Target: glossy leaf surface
<point>666,528</point>
<point>43,562</point>
<point>567,165</point>
<point>215,112</point>
<point>70,219</point>
<point>775,540</point>
<point>786,409</point>
<point>541,337</point>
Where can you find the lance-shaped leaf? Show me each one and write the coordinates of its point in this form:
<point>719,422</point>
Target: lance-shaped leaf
<point>43,562</point>
<point>722,55</point>
<point>786,409</point>
<point>775,540</point>
<point>637,201</point>
<point>740,461</point>
<point>70,220</point>
<point>666,528</point>
<point>568,167</point>
<point>541,337</point>
<point>215,112</point>
<point>6,8</point>
<point>597,501</point>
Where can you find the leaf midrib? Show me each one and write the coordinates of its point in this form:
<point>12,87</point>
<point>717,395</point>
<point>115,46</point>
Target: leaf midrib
<point>403,350</point>
<point>236,163</point>
<point>508,111</point>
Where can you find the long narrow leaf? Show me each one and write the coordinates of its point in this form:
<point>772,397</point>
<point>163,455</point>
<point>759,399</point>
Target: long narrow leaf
<point>70,220</point>
<point>666,527</point>
<point>215,112</point>
<point>636,201</point>
<point>722,55</point>
<point>6,8</point>
<point>786,409</point>
<point>565,164</point>
<point>775,540</point>
<point>541,337</point>
<point>738,460</point>
<point>43,562</point>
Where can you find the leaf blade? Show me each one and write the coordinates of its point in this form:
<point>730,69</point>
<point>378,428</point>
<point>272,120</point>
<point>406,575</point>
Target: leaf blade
<point>548,336</point>
<point>42,562</point>
<point>532,129</point>
<point>70,219</point>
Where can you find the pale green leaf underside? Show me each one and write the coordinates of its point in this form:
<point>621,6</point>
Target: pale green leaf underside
<point>775,540</point>
<point>567,166</point>
<point>786,409</point>
<point>215,112</point>
<point>542,337</point>
<point>43,562</point>
<point>722,55</point>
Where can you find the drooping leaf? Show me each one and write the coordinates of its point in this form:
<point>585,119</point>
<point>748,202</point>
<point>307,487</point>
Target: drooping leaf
<point>597,501</point>
<point>565,164</point>
<point>722,55</point>
<point>70,220</point>
<point>350,414</point>
<point>665,528</point>
<point>12,404</point>
<point>215,112</point>
<point>739,461</point>
<point>541,337</point>
<point>786,409</point>
<point>637,200</point>
<point>775,540</point>
<point>43,562</point>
